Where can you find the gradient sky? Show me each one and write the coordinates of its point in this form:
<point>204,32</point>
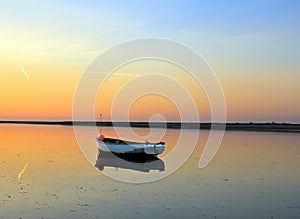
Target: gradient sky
<point>253,46</point>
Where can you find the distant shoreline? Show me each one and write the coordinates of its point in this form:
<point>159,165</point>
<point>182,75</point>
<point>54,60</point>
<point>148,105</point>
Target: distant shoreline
<point>261,127</point>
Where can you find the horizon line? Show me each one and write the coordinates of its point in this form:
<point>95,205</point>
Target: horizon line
<point>161,122</point>
<point>230,126</point>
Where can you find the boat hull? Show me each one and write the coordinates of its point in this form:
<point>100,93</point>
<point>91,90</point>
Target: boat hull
<point>126,147</point>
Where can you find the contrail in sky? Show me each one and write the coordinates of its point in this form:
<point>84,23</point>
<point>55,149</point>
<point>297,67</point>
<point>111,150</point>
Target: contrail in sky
<point>25,73</point>
<point>22,171</point>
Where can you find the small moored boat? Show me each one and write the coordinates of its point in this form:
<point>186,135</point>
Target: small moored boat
<point>128,147</point>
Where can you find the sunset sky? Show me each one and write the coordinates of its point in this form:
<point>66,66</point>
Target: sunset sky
<point>253,47</point>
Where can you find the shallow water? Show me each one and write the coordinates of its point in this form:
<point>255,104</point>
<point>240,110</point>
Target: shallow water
<point>253,175</point>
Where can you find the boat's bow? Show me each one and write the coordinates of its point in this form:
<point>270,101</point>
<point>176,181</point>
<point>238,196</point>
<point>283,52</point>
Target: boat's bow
<point>154,148</point>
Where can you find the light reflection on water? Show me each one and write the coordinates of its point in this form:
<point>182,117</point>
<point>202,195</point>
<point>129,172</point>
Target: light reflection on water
<point>254,175</point>
<point>107,159</point>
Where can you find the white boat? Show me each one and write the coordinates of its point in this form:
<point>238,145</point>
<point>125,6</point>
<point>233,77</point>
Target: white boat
<point>128,147</point>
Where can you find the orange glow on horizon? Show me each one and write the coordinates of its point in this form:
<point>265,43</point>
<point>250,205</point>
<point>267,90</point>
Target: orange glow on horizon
<point>50,94</point>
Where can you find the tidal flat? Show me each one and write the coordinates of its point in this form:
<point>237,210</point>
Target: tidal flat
<point>44,173</point>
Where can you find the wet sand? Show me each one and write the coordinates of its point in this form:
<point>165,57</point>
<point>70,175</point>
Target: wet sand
<point>254,175</point>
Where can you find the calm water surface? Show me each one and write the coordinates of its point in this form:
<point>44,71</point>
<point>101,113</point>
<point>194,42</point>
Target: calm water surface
<point>254,175</point>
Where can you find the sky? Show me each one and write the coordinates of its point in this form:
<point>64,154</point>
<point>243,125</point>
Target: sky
<point>252,46</point>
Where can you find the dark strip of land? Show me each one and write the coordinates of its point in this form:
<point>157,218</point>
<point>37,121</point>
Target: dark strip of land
<point>266,127</point>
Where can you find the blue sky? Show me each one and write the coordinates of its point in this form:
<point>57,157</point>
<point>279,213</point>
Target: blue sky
<point>210,27</point>
<point>248,43</point>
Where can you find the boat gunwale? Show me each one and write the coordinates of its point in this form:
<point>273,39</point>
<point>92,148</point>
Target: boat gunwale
<point>118,141</point>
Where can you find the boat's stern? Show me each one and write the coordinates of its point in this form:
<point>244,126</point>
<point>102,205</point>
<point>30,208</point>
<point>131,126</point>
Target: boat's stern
<point>101,145</point>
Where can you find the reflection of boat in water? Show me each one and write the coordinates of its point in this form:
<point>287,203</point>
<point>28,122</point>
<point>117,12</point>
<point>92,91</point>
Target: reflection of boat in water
<point>128,161</point>
<point>128,147</point>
